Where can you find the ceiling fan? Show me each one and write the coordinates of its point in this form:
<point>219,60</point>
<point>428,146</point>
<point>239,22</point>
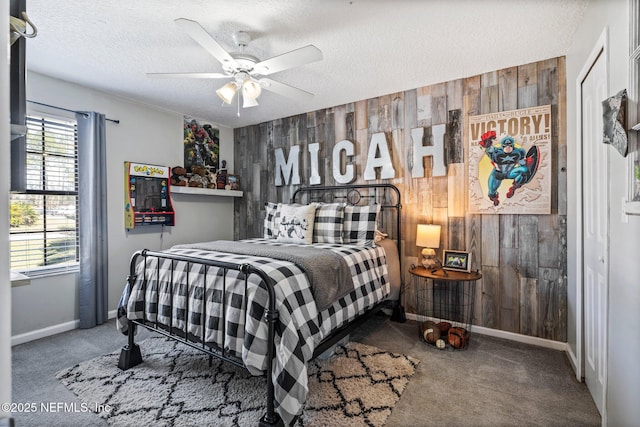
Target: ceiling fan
<point>245,70</point>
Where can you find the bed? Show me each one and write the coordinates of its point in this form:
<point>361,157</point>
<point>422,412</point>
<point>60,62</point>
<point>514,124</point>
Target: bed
<point>326,262</point>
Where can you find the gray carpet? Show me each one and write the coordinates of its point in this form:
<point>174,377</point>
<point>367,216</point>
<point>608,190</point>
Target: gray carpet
<point>494,382</point>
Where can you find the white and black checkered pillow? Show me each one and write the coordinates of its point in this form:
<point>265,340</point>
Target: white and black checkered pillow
<point>328,223</point>
<point>359,225</point>
<point>271,225</point>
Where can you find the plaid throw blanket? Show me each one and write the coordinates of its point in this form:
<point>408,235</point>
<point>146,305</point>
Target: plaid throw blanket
<point>300,325</point>
<point>327,271</point>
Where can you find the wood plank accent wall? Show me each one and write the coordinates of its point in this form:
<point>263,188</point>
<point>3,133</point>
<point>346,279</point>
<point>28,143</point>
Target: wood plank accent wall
<point>523,258</point>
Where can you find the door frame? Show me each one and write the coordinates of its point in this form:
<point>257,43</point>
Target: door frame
<point>601,48</point>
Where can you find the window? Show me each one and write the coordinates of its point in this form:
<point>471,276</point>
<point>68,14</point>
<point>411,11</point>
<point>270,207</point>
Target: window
<point>44,218</point>
<point>633,205</point>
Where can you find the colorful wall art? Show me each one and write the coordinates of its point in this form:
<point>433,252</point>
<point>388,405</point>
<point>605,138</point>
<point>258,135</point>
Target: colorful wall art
<point>510,162</point>
<point>201,145</point>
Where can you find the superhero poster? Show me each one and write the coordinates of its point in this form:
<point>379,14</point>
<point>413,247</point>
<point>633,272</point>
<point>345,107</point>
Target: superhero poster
<point>510,162</point>
<point>201,145</point>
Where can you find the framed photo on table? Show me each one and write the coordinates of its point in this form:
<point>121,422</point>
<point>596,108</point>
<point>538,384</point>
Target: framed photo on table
<point>456,261</point>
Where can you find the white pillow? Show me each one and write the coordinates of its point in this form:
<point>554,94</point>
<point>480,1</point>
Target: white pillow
<point>296,224</point>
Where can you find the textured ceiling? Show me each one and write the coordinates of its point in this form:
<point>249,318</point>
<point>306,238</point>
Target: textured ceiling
<point>370,47</point>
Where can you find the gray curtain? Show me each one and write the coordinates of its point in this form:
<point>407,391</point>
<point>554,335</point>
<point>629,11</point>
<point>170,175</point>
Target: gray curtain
<point>92,195</point>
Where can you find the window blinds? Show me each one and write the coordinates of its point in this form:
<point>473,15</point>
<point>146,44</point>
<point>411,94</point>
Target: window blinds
<point>44,223</point>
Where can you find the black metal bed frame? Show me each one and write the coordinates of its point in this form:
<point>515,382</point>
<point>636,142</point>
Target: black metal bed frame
<point>131,356</point>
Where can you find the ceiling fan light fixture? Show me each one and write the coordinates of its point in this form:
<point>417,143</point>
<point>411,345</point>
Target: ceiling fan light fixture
<point>249,102</point>
<point>251,89</point>
<point>244,69</point>
<point>227,92</point>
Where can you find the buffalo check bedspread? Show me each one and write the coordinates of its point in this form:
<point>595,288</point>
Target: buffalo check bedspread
<point>300,327</point>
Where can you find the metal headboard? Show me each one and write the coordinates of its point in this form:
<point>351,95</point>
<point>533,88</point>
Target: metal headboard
<point>386,195</point>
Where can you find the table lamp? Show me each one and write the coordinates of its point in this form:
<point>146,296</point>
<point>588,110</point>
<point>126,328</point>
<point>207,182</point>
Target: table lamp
<point>428,237</point>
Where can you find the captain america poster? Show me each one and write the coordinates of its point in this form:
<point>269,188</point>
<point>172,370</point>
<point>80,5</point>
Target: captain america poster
<point>510,162</point>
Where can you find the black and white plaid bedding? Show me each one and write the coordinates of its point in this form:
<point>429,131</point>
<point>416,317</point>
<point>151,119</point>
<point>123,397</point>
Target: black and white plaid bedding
<point>300,326</point>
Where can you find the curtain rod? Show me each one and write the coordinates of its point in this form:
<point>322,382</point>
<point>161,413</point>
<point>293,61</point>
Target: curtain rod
<point>70,111</point>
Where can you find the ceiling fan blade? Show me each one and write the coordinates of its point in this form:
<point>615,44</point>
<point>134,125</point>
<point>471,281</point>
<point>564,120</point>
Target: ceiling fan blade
<point>285,90</point>
<point>188,75</point>
<point>205,40</point>
<point>294,58</point>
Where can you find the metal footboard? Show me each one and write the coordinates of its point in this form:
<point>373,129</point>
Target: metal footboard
<point>130,355</point>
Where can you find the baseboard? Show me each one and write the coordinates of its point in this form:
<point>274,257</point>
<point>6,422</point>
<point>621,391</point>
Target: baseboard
<point>526,339</point>
<point>44,332</point>
<point>541,342</point>
<point>573,359</point>
<point>52,330</point>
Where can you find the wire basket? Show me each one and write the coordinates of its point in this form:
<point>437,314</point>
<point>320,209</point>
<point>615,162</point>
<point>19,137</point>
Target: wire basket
<point>445,312</point>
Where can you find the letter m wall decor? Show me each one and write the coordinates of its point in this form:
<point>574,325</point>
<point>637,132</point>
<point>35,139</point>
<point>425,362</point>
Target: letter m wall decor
<point>510,162</point>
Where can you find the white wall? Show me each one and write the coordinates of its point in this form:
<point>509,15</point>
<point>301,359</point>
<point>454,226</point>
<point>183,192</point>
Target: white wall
<point>623,386</point>
<point>147,135</point>
<point>5,286</point>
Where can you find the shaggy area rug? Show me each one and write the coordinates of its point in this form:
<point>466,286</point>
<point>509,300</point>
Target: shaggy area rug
<point>174,386</point>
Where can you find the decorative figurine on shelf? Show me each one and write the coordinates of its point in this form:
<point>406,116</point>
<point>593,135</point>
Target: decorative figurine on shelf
<point>199,177</point>
<point>221,180</point>
<point>212,178</point>
<point>233,182</point>
<point>179,176</point>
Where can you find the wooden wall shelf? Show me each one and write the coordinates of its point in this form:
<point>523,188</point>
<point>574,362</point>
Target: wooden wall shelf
<point>205,191</point>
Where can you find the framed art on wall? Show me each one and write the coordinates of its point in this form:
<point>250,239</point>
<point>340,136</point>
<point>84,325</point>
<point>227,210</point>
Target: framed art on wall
<point>510,161</point>
<point>456,261</point>
<point>201,145</point>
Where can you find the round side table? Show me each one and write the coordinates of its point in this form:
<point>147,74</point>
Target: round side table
<point>444,302</point>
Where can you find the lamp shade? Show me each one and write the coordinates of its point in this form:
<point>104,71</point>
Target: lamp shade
<point>227,92</point>
<point>251,89</point>
<point>428,236</point>
<point>249,102</point>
